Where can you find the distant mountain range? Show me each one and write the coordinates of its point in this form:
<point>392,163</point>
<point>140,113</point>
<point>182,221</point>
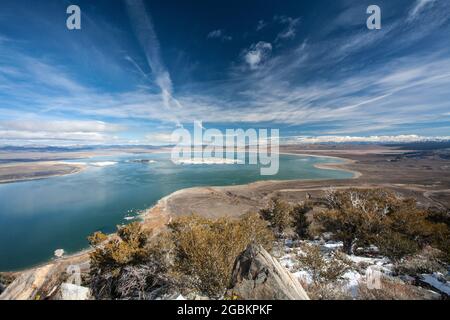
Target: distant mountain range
<point>416,145</point>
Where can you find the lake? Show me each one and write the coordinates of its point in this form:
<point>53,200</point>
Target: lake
<point>38,217</point>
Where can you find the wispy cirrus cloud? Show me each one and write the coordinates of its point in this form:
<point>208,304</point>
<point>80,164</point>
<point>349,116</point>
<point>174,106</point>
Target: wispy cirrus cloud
<point>39,130</point>
<point>290,30</point>
<point>219,34</point>
<point>419,6</point>
<point>356,83</point>
<point>383,98</point>
<point>145,32</point>
<point>261,25</point>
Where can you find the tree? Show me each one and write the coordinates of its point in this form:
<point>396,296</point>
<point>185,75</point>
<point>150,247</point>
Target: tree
<point>278,213</point>
<point>300,220</point>
<point>397,226</point>
<point>354,216</point>
<point>408,229</point>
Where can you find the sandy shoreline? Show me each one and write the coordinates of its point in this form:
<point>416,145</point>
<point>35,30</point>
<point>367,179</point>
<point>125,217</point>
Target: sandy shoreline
<point>20,172</point>
<point>330,166</point>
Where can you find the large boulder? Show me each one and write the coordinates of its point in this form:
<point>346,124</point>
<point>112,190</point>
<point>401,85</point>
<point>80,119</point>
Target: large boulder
<point>259,276</point>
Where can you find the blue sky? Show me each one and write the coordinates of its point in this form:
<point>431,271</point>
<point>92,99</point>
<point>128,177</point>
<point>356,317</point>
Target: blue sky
<point>139,69</point>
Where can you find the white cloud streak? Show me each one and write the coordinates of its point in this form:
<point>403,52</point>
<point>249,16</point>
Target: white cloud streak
<point>145,32</point>
<point>290,30</point>
<point>418,7</point>
<point>58,131</point>
<point>219,34</point>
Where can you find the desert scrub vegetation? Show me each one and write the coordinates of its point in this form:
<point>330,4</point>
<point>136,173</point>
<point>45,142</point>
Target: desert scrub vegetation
<point>363,217</point>
<point>283,217</point>
<point>205,250</point>
<point>325,272</point>
<point>373,224</point>
<point>427,260</point>
<point>195,251</point>
<point>278,213</point>
<point>323,269</point>
<point>392,289</point>
<point>127,265</point>
<point>197,255</point>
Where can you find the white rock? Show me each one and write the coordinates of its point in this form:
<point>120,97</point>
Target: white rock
<point>59,253</point>
<point>69,291</point>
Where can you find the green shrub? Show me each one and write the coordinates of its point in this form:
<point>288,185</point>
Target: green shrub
<point>395,245</point>
<point>128,247</point>
<point>97,238</point>
<point>278,213</point>
<point>300,220</point>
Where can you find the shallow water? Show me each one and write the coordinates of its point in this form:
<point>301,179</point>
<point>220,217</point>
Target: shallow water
<point>38,217</point>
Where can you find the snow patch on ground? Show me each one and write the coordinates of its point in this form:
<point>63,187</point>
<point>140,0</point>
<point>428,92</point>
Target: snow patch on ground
<point>351,279</point>
<point>436,281</point>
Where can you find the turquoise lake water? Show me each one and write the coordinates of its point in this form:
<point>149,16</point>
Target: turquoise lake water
<point>38,217</point>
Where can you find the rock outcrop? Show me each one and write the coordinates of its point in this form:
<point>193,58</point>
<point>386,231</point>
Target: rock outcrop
<point>27,285</point>
<point>43,282</point>
<point>259,276</point>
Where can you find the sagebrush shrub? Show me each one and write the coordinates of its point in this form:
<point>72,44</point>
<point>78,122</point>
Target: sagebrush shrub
<point>206,250</point>
<point>322,269</point>
<point>392,289</point>
<point>428,260</point>
<point>126,265</point>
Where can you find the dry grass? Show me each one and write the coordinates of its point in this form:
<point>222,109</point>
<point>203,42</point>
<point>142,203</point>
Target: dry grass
<point>205,250</point>
<point>327,291</point>
<point>392,289</point>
